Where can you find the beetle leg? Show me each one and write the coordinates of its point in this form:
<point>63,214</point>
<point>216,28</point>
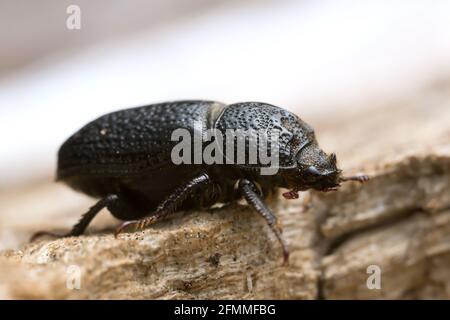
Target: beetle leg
<point>169,205</point>
<point>249,192</point>
<point>86,218</point>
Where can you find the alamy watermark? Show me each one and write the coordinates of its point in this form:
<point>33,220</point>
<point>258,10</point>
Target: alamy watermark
<point>73,21</point>
<point>374,280</point>
<point>211,146</point>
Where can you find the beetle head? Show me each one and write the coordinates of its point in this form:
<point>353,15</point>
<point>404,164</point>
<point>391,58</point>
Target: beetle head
<point>314,170</point>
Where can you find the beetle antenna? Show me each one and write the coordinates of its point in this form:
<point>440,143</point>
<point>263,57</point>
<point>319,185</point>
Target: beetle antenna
<point>359,178</point>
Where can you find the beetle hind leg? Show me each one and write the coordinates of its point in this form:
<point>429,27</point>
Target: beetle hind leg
<point>110,202</point>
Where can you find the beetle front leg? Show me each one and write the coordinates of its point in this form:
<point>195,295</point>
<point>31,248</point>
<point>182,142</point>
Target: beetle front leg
<point>169,205</point>
<point>249,191</point>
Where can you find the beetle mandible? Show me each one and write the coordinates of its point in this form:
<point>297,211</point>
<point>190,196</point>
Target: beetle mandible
<point>124,159</point>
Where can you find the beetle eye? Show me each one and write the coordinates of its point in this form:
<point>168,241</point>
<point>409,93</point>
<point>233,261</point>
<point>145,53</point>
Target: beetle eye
<point>313,171</point>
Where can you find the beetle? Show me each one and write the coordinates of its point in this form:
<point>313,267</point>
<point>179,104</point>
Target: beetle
<point>125,159</point>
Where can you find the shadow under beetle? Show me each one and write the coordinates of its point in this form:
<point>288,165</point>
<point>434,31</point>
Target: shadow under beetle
<point>124,158</point>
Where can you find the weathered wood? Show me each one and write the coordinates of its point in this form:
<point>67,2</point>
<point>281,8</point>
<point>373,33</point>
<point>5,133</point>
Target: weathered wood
<point>399,221</point>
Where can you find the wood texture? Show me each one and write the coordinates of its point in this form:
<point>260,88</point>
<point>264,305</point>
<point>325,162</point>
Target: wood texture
<point>399,221</point>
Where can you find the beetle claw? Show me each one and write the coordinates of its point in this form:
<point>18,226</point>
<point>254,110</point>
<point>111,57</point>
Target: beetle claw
<point>124,225</point>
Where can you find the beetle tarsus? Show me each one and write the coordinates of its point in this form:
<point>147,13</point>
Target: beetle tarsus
<point>40,234</point>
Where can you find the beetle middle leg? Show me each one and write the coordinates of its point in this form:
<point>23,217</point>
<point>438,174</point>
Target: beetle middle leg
<point>249,191</point>
<point>169,205</point>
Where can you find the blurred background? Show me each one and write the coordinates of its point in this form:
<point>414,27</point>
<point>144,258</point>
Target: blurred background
<point>321,59</point>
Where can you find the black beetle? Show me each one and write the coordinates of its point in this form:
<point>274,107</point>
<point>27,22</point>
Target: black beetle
<point>124,158</point>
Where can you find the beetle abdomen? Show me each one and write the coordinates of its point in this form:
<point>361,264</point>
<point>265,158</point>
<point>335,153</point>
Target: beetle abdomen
<point>126,142</point>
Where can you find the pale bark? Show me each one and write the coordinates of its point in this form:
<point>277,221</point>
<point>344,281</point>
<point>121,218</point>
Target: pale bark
<point>399,221</point>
